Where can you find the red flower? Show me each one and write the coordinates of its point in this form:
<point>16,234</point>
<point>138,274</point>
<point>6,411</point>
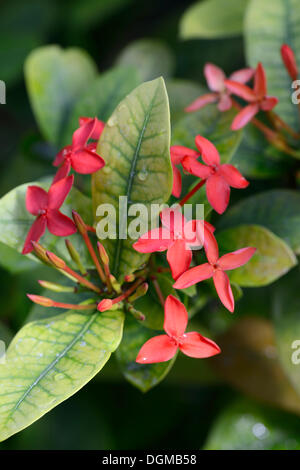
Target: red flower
<point>177,236</point>
<point>215,268</point>
<point>82,157</point>
<point>98,129</point>
<point>162,348</point>
<point>215,78</point>
<point>44,205</point>
<point>257,98</point>
<point>218,177</point>
<point>289,61</point>
<point>178,152</point>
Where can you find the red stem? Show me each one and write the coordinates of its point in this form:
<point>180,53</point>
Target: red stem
<point>192,192</point>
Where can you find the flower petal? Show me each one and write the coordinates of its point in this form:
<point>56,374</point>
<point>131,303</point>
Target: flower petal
<point>223,288</point>
<point>86,161</point>
<point>243,75</point>
<point>195,168</point>
<point>196,345</point>
<point>268,103</point>
<point>36,231</point>
<point>236,258</point>
<point>59,224</point>
<point>173,219</point>
<point>157,349</point>
<point>158,239</point>
<point>225,102</point>
<point>62,155</point>
<point>241,90</point>
<point>195,232</point>
<point>209,153</point>
<point>59,191</point>
<point>244,116</point>
<point>194,275</point>
<point>217,192</point>
<point>62,172</point>
<point>36,199</point>
<point>176,317</point>
<point>232,176</point>
<point>211,247</point>
<point>177,183</point>
<point>260,81</point>
<point>214,76</point>
<point>178,152</point>
<point>201,102</point>
<point>179,257</point>
<point>289,61</point>
<point>98,129</point>
<point>83,134</point>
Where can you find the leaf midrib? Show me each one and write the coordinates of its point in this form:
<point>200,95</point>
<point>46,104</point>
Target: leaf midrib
<point>119,242</point>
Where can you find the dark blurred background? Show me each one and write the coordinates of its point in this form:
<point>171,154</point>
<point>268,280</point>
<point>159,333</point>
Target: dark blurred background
<point>109,413</point>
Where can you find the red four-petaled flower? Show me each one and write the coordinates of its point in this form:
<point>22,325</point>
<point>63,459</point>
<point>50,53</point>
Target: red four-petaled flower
<point>177,236</point>
<point>215,78</point>
<point>216,268</point>
<point>178,152</point>
<point>218,177</point>
<point>45,206</point>
<point>258,99</point>
<point>81,156</point>
<point>162,348</point>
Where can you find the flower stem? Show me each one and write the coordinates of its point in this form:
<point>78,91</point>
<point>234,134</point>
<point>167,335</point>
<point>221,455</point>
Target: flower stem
<point>158,291</point>
<point>192,192</point>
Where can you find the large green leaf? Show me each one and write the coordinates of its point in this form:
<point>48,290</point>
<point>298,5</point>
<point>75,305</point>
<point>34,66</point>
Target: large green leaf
<point>278,210</point>
<point>143,376</point>
<point>273,257</point>
<point>209,123</point>
<point>55,79</point>
<point>286,308</point>
<point>15,221</point>
<point>213,19</point>
<point>49,360</point>
<point>151,57</point>
<point>135,146</point>
<point>268,25</point>
<point>244,425</point>
<point>104,94</point>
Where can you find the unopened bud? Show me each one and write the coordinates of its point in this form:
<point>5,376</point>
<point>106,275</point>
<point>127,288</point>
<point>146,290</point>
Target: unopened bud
<point>38,299</point>
<point>129,278</point>
<point>81,227</point>
<point>56,287</point>
<point>103,254</point>
<point>140,291</point>
<point>55,260</point>
<point>40,253</point>
<point>136,313</point>
<point>115,285</point>
<point>105,304</point>
<point>75,256</point>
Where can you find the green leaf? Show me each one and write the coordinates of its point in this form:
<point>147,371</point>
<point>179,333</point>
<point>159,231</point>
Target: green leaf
<point>55,79</point>
<point>135,146</point>
<point>48,361</point>
<point>273,257</point>
<point>151,58</point>
<point>14,262</point>
<point>103,95</point>
<point>257,159</point>
<point>268,25</point>
<point>143,376</point>
<point>278,210</point>
<point>250,363</point>
<point>285,310</point>
<point>181,93</point>
<point>212,125</point>
<point>213,19</point>
<point>84,15</point>
<point>15,222</point>
<point>244,425</point>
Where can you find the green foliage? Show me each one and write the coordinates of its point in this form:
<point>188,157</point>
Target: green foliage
<point>272,259</point>
<point>135,146</point>
<point>268,25</point>
<point>55,79</point>
<point>213,19</point>
<point>152,58</point>
<point>49,360</point>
